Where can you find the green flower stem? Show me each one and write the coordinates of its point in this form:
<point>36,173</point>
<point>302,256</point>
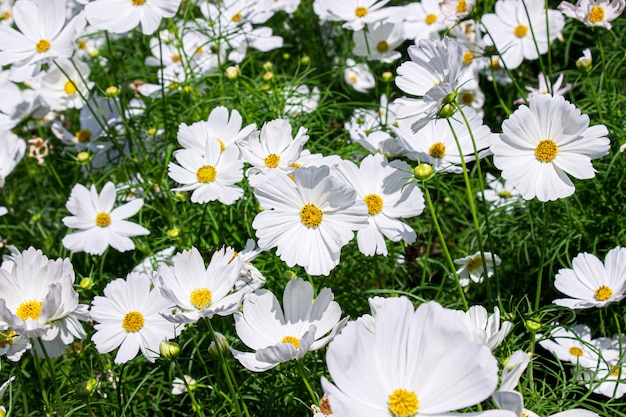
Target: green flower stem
<point>236,397</point>
<point>546,218</point>
<point>470,200</point>
<point>44,393</point>
<point>433,213</point>
<point>55,386</point>
<point>196,406</point>
<point>306,382</point>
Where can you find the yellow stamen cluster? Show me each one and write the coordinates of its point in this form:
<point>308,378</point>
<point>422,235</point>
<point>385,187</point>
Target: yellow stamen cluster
<point>596,14</point>
<point>83,135</point>
<point>201,298</point>
<point>30,309</point>
<point>272,160</point>
<point>575,351</point>
<point>360,11</point>
<point>6,338</point>
<point>520,31</point>
<point>382,46</point>
<point>430,19</point>
<point>133,321</point>
<point>603,293</point>
<point>138,2</point>
<point>103,219</point>
<point>403,403</point>
<point>291,340</point>
<point>437,150</point>
<point>206,173</point>
<point>546,150</point>
<point>236,18</point>
<point>461,6</point>
<point>468,56</point>
<point>42,46</point>
<point>311,216</point>
<point>374,203</point>
<point>475,263</point>
<point>70,88</point>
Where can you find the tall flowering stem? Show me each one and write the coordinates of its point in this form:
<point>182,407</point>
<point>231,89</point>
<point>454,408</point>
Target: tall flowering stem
<point>544,241</point>
<point>442,239</point>
<point>470,199</point>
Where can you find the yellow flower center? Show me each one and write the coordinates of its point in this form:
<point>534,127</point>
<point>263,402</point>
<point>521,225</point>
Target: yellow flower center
<point>596,14</point>
<point>603,293</point>
<point>504,194</point>
<point>30,309</point>
<point>575,351</point>
<point>403,403</point>
<point>467,98</point>
<point>546,150</point>
<point>382,46</point>
<point>461,6</point>
<point>6,338</point>
<point>520,31</point>
<point>615,371</point>
<point>468,56</point>
<point>437,150</point>
<point>236,18</point>
<point>138,2</point>
<point>83,135</point>
<point>272,160</point>
<point>360,11</point>
<point>42,46</point>
<point>206,173</point>
<point>82,44</point>
<point>5,16</point>
<point>201,298</point>
<point>374,203</point>
<point>430,19</point>
<point>70,88</point>
<point>175,58</point>
<point>475,263</point>
<point>495,64</point>
<point>352,79</point>
<point>311,216</point>
<point>133,321</point>
<point>292,340</point>
<point>103,219</point>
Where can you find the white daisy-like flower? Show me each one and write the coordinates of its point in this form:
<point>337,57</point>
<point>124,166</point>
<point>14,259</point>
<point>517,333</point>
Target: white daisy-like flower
<point>300,100</point>
<point>415,363</point>
<point>358,76</point>
<point>183,385</point>
<point>484,328</point>
<point>389,195</point>
<point>573,346</point>
<point>273,148</point>
<point>518,29</point>
<point>120,16</point>
<point>65,85</point>
<point>308,219</point>
<point>99,224</point>
<point>378,43</point>
<point>12,150</point>
<point>543,142</point>
<point>198,291</point>
<point>282,334</point>
<point>606,377</point>
<point>546,87</point>
<point>129,316</point>
<point>456,9</point>
<point>594,12</point>
<point>472,267</point>
<point>37,298</point>
<point>592,284</point>
<point>220,126</point>
<point>585,61</point>
<point>424,20</point>
<point>355,13</point>
<point>3,389</point>
<point>211,174</point>
<point>250,278</point>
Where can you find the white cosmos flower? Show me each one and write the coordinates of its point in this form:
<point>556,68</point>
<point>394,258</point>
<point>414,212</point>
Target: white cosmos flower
<point>120,16</point>
<point>543,142</point>
<point>389,195</point>
<point>484,328</point>
<point>501,194</point>
<point>592,284</point>
<point>355,13</point>
<point>308,219</point>
<point>415,363</point>
<point>594,12</point>
<point>99,224</point>
<point>198,291</point>
<point>130,317</point>
<point>211,174</point>
<point>472,267</point>
<point>183,385</point>
<point>358,76</point>
<point>573,346</point>
<point>12,150</point>
<point>37,298</point>
<point>424,20</point>
<point>65,85</point>
<point>378,42</point>
<point>282,334</point>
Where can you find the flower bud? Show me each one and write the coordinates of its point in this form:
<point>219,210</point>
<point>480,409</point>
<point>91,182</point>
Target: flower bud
<point>169,350</point>
<point>86,283</point>
<point>533,325</point>
<point>220,346</point>
<point>84,389</point>
<point>83,157</point>
<point>305,60</point>
<point>232,72</point>
<point>173,233</point>
<point>423,171</point>
<point>112,91</point>
<point>387,76</point>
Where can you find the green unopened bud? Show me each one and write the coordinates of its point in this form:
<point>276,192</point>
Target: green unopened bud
<point>305,60</point>
<point>169,350</point>
<point>288,275</point>
<point>268,66</point>
<point>86,283</point>
<point>83,157</point>
<point>533,325</point>
<point>423,171</point>
<point>490,50</point>
<point>173,233</point>
<point>232,72</point>
<point>181,195</point>
<point>268,76</point>
<point>387,76</point>
<point>584,64</point>
<point>446,111</point>
<point>112,91</point>
<point>220,346</point>
<point>86,388</point>
<point>152,131</point>
<point>450,98</point>
<point>286,56</point>
<point>3,412</point>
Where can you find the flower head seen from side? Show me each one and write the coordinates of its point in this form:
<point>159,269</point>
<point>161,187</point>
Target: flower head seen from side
<point>198,291</point>
<point>546,87</point>
<point>484,328</point>
<point>473,269</point>
<point>121,16</point>
<point>37,298</point>
<point>543,142</point>
<point>590,283</point>
<point>571,345</point>
<point>594,12</point>
<point>501,194</point>
<point>414,363</point>
<point>386,190</point>
<point>378,43</point>
<point>282,334</point>
<point>358,76</point>
<point>99,224</point>
<point>129,316</point>
<point>308,219</point>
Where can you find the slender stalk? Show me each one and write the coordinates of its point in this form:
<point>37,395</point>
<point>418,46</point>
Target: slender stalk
<point>197,407</point>
<point>306,382</point>
<point>546,218</point>
<point>55,386</point>
<point>433,213</point>
<point>44,393</point>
